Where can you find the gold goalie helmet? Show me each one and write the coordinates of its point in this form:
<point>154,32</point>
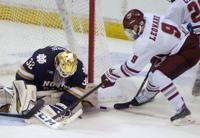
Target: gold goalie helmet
<point>66,63</point>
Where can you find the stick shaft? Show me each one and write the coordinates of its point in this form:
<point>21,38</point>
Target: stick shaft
<point>144,81</point>
<point>78,101</point>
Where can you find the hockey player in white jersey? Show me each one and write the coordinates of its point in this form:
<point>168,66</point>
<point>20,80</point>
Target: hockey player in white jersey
<point>188,18</point>
<point>155,36</point>
<point>187,11</point>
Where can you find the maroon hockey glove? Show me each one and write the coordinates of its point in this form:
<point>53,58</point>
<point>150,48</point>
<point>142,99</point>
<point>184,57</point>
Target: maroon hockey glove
<point>106,82</point>
<point>108,79</point>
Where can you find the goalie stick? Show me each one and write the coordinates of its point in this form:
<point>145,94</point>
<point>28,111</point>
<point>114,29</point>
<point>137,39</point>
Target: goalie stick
<point>77,102</point>
<point>53,123</point>
<point>38,105</point>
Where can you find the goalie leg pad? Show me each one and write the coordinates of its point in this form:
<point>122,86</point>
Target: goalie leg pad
<point>23,97</point>
<point>6,95</point>
<point>92,99</point>
<point>49,96</point>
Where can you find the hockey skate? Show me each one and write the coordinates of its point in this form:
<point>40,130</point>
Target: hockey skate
<point>136,101</point>
<point>196,88</point>
<point>183,117</point>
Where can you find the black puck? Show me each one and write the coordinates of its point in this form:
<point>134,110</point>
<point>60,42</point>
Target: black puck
<point>103,107</point>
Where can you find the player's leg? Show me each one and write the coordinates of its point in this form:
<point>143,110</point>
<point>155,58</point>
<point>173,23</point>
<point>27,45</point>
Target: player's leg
<point>177,64</point>
<point>171,93</point>
<point>146,95</point>
<point>173,67</point>
<point>170,69</point>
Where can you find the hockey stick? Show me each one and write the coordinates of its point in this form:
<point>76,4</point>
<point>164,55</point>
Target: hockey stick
<point>127,104</point>
<point>39,104</point>
<point>77,102</point>
<point>144,81</point>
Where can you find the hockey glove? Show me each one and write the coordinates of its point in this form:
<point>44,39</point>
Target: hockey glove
<point>108,79</point>
<point>157,60</point>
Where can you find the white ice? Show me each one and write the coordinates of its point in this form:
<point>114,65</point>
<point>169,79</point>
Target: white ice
<point>148,121</point>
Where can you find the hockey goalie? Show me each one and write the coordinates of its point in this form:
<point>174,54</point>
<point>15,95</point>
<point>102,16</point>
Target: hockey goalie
<point>56,75</point>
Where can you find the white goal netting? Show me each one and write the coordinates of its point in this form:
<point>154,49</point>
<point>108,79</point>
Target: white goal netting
<point>32,24</point>
<point>27,25</point>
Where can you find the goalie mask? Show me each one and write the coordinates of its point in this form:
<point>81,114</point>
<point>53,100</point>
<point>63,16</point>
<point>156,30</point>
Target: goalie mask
<point>133,24</point>
<point>66,63</point>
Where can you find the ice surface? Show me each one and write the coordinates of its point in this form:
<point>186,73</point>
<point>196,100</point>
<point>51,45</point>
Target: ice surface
<point>149,121</point>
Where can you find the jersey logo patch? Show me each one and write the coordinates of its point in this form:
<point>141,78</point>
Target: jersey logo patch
<point>41,58</point>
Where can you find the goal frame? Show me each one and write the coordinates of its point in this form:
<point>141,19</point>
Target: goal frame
<point>91,41</point>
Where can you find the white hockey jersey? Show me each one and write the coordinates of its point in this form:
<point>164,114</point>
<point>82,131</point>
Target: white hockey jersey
<point>160,37</point>
<point>185,11</point>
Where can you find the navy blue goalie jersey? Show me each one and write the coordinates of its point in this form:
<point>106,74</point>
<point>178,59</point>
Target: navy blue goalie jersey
<point>39,70</point>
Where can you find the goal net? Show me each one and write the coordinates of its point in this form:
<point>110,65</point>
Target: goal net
<point>32,24</point>
<point>26,25</point>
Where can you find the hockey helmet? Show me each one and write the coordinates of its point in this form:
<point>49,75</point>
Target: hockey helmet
<point>133,24</point>
<point>66,63</point>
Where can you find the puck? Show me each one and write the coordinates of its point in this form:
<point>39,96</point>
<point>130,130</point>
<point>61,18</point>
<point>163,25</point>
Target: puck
<point>103,107</point>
